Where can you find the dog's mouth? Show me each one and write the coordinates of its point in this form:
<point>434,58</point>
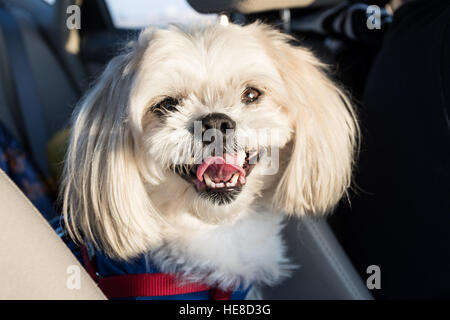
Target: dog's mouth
<point>221,178</point>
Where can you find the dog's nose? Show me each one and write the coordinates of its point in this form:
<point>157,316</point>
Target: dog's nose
<point>218,121</point>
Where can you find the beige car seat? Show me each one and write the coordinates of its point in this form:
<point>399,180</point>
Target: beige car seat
<point>34,262</point>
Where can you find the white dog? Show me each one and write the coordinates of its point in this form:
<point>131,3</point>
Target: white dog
<point>141,177</point>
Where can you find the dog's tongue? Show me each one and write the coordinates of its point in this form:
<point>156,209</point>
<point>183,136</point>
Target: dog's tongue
<point>221,169</point>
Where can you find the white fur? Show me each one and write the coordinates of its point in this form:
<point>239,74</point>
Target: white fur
<point>120,194</point>
<point>248,250</point>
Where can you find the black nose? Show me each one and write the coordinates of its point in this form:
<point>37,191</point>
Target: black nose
<point>218,121</point>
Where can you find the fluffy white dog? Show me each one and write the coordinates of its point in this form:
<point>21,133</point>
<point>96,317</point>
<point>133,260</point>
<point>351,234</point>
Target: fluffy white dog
<point>151,170</point>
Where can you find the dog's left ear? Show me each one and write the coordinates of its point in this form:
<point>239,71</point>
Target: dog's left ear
<point>326,131</point>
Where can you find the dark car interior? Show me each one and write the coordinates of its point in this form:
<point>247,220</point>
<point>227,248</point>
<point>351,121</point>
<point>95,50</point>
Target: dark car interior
<point>46,68</point>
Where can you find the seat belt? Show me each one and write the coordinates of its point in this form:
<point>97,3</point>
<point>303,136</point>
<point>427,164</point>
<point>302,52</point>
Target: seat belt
<point>31,118</point>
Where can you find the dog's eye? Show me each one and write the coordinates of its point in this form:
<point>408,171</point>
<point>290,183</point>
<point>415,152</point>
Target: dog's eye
<point>167,105</point>
<point>250,95</point>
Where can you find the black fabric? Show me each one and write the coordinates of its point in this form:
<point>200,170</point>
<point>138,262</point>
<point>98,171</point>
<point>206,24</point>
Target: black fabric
<point>400,216</point>
<point>28,100</point>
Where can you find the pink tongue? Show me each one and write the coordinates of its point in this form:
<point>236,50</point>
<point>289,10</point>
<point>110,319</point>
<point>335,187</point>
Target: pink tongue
<point>220,169</point>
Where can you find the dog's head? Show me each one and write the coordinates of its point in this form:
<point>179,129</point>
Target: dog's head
<point>204,122</point>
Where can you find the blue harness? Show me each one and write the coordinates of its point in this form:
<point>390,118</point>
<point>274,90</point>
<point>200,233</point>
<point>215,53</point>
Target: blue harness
<point>140,279</point>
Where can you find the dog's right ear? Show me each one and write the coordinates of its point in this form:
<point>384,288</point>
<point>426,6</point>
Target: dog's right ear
<point>104,196</point>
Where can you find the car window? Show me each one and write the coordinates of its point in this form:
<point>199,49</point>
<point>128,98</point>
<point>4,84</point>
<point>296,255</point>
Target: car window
<point>50,2</point>
<point>136,14</point>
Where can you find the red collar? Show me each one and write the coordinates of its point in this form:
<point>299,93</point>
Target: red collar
<point>146,285</point>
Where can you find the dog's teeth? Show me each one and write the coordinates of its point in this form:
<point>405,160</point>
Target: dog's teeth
<point>208,180</point>
<point>234,179</point>
<point>231,184</point>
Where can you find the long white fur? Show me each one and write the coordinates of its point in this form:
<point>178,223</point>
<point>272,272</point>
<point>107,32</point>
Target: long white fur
<point>120,195</point>
<point>202,252</point>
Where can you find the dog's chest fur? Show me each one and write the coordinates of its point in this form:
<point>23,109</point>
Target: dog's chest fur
<point>247,251</point>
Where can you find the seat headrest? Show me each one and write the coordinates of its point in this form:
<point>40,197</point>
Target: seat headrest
<point>252,6</point>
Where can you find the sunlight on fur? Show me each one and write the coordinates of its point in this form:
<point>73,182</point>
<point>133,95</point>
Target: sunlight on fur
<point>125,192</point>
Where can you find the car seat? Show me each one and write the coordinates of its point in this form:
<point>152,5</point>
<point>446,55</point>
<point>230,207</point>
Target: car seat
<point>54,88</point>
<point>36,264</point>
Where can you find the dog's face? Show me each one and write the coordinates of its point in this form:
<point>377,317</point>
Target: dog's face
<point>215,106</point>
<point>204,122</point>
